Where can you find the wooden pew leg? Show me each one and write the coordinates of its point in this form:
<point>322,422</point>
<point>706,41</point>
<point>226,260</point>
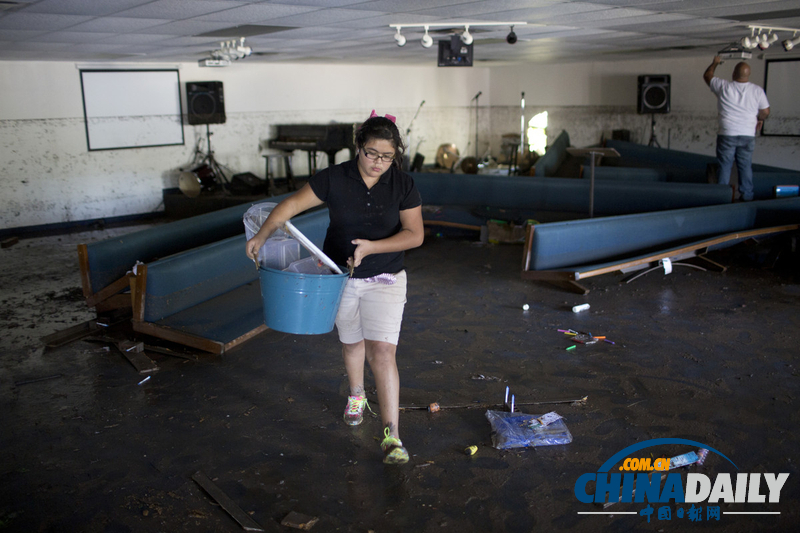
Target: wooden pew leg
<point>712,265</point>
<point>570,285</point>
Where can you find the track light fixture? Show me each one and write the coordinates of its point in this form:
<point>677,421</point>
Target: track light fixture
<point>512,37</point>
<point>466,37</point>
<point>767,40</point>
<point>788,44</point>
<point>764,36</point>
<point>231,51</point>
<point>427,40</point>
<point>401,41</point>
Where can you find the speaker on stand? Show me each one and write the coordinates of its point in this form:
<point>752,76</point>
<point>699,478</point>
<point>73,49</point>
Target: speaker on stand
<point>653,98</point>
<point>205,104</point>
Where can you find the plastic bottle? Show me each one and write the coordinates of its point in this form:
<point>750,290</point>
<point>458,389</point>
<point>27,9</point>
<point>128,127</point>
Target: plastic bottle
<point>579,308</point>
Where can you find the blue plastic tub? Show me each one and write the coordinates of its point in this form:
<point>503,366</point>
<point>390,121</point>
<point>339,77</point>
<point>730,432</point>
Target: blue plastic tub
<point>304,304</point>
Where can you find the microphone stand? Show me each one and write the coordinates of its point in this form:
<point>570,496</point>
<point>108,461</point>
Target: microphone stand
<point>476,124</point>
<point>408,130</point>
<point>518,155</point>
<point>522,124</point>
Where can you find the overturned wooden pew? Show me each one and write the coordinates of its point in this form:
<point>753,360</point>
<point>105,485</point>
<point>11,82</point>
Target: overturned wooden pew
<point>105,264</point>
<point>208,297</point>
<point>567,252</point>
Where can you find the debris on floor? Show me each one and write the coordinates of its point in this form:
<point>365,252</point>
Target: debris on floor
<point>582,337</point>
<point>65,336</point>
<point>8,243</point>
<point>134,352</point>
<point>513,430</point>
<point>236,512</point>
<point>544,420</point>
<point>36,380</point>
<point>299,521</point>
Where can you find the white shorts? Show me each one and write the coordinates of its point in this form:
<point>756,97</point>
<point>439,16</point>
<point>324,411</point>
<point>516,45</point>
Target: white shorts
<point>371,310</point>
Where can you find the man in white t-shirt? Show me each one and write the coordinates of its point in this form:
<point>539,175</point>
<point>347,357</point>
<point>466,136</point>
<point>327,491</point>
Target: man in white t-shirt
<point>742,108</point>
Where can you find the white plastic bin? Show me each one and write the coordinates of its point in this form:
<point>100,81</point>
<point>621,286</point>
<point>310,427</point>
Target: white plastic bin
<point>279,251</point>
<point>254,218</point>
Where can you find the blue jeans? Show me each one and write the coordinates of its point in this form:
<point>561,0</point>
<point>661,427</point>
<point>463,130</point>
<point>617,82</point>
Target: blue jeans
<point>739,148</point>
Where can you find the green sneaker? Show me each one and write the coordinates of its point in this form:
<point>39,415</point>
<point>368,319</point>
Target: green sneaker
<point>354,412</point>
<point>393,451</point>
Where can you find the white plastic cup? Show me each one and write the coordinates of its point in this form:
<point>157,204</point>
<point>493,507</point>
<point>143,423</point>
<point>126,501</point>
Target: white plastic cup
<point>579,308</point>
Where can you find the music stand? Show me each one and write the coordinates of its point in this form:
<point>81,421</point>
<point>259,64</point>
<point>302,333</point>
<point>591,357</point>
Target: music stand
<point>476,125</point>
<point>592,153</point>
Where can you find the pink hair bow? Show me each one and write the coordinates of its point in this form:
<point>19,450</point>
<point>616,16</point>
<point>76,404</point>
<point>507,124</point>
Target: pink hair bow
<point>390,117</point>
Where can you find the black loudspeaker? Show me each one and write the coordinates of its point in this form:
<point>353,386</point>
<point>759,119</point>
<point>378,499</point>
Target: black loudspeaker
<point>454,53</point>
<point>205,102</point>
<point>653,94</point>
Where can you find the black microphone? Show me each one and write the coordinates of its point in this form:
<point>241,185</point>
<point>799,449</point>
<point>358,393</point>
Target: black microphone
<point>477,95</point>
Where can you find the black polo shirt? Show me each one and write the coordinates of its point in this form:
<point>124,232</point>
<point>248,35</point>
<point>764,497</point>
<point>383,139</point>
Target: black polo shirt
<point>360,213</point>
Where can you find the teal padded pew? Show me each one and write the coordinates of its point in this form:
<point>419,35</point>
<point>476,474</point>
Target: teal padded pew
<point>639,155</point>
<point>577,249</point>
<point>671,175</point>
<point>208,297</point>
<point>104,264</point>
<point>644,163</point>
<point>563,194</point>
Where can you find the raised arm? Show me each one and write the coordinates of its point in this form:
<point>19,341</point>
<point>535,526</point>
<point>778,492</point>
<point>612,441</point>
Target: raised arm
<point>709,73</point>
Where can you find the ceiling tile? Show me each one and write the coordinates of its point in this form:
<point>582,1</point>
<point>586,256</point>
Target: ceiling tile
<point>178,9</point>
<point>117,24</point>
<point>74,37</point>
<point>96,8</point>
<point>39,21</point>
<point>256,13</point>
<point>357,31</point>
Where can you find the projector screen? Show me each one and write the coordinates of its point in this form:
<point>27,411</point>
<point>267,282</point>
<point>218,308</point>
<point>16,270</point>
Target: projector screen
<point>781,77</point>
<point>131,108</point>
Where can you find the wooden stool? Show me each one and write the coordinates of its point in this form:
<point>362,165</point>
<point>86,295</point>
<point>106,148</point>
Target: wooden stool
<point>287,167</point>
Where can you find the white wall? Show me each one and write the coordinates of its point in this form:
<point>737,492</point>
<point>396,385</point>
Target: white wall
<point>590,100</point>
<point>47,174</point>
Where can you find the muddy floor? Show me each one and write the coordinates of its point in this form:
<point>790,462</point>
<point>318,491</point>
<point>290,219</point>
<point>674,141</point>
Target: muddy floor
<point>703,356</point>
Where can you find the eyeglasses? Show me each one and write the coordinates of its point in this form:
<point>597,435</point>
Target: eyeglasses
<point>374,156</point>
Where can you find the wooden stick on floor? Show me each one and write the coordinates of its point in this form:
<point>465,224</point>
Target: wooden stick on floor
<point>487,405</point>
<point>236,512</point>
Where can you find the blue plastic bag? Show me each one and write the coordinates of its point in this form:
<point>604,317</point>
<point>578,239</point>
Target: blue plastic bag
<point>512,430</point>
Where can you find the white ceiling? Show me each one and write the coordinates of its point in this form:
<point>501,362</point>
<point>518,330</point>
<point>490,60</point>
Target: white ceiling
<point>357,31</point>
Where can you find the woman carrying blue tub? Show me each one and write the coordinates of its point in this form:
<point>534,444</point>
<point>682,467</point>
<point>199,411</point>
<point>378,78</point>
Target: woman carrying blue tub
<point>376,214</point>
